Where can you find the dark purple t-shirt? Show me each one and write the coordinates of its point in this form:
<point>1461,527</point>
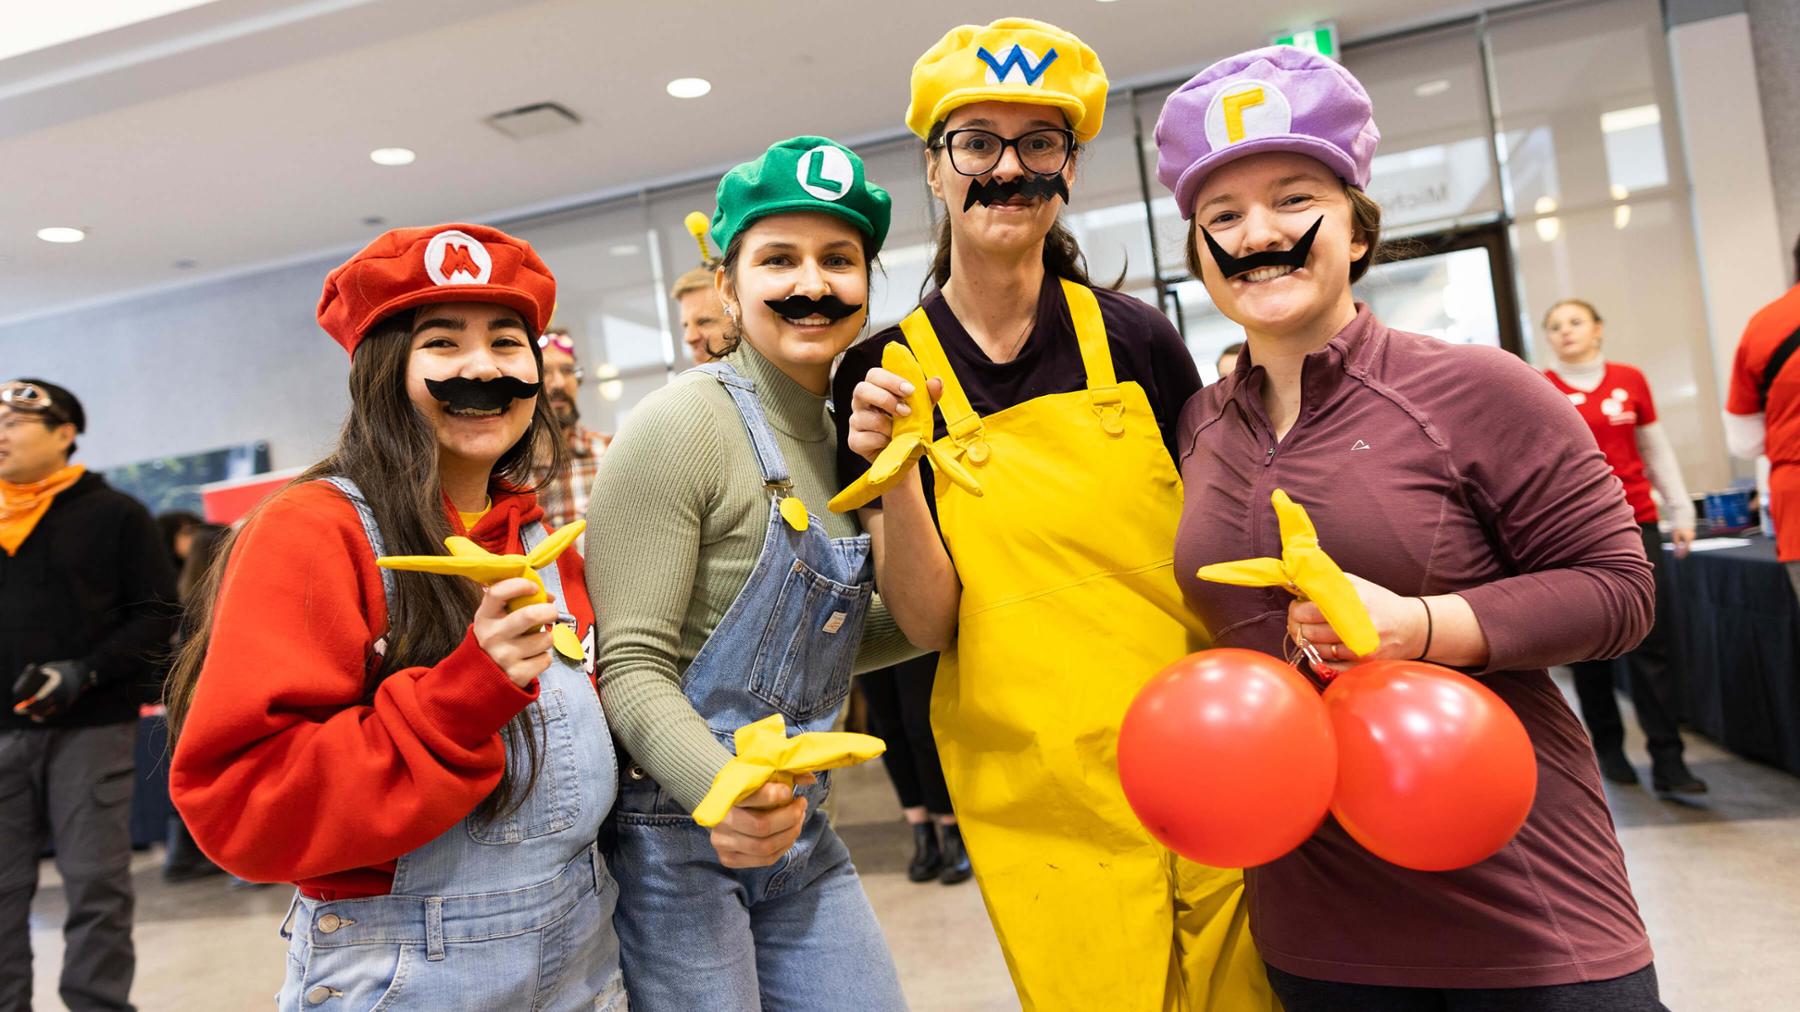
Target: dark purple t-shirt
<point>1431,468</point>
<point>1146,350</point>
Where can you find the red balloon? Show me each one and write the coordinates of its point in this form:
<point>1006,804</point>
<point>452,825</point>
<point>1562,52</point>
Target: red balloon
<point>1226,757</point>
<point>1435,772</point>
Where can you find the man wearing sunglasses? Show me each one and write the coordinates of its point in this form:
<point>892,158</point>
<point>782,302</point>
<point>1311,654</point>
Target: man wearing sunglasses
<point>565,498</point>
<point>87,598</point>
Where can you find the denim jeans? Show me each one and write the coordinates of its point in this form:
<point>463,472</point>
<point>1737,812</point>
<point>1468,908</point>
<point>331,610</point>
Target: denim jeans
<point>800,934</point>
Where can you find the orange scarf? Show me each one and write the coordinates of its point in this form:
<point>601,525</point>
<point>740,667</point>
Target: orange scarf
<point>22,506</point>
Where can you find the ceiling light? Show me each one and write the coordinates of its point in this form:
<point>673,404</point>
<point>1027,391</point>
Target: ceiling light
<point>1432,88</point>
<point>1549,228</point>
<point>61,233</point>
<point>1545,205</point>
<point>392,156</point>
<point>1619,192</point>
<point>624,249</point>
<point>689,87</point>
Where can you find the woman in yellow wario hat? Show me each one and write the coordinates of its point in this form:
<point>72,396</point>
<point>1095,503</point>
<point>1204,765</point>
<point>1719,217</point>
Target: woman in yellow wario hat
<point>1044,573</point>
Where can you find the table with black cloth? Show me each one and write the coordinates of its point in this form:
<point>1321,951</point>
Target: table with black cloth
<point>1737,650</point>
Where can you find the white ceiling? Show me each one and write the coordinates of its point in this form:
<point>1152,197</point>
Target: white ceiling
<point>235,134</point>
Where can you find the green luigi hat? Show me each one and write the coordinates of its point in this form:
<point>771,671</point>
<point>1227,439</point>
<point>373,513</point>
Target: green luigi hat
<point>801,174</point>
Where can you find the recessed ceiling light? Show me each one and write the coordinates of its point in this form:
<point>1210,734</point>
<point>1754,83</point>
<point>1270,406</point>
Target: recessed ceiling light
<point>624,249</point>
<point>392,156</point>
<point>1431,89</point>
<point>689,87</point>
<point>61,233</point>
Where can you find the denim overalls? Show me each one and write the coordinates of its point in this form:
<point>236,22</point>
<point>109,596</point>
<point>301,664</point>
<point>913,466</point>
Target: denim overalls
<point>799,934</point>
<point>510,914</point>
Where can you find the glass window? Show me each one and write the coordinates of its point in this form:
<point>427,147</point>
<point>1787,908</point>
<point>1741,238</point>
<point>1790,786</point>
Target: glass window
<point>1435,166</point>
<point>1449,296</point>
<point>607,294</point>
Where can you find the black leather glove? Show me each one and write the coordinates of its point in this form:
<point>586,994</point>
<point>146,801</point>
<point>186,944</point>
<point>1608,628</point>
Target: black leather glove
<point>44,690</point>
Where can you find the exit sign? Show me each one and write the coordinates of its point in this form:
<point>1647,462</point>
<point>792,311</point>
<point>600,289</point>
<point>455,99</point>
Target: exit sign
<point>1322,40</point>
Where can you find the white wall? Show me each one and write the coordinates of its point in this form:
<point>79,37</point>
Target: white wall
<point>228,362</point>
<point>1742,261</point>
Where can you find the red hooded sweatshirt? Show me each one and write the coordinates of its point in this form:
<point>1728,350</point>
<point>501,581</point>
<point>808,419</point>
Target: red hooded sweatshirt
<point>283,772</point>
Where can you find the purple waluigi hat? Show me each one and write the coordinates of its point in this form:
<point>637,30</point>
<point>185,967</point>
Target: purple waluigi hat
<point>1273,99</point>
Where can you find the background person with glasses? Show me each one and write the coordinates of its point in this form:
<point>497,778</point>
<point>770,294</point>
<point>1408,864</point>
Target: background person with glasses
<point>87,597</point>
<point>565,492</point>
<point>1051,596</point>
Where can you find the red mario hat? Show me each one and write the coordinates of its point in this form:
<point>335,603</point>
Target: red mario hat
<point>408,267</point>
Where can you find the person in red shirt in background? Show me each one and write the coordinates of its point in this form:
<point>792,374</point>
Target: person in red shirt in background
<point>1762,412</point>
<point>1614,400</point>
<point>428,769</point>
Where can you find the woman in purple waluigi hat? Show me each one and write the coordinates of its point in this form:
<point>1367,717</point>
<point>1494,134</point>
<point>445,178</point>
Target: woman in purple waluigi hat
<point>1482,527</point>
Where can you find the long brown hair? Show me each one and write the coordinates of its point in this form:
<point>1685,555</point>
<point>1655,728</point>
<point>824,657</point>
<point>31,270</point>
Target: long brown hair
<point>1063,257</point>
<point>390,452</point>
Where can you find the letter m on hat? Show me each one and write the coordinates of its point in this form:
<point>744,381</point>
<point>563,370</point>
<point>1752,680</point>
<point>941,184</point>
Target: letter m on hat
<point>1017,62</point>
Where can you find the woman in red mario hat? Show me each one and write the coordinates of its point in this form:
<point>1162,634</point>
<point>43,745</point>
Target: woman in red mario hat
<point>428,769</point>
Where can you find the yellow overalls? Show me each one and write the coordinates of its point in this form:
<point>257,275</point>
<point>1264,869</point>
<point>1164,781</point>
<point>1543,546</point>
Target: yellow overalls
<point>1069,605</point>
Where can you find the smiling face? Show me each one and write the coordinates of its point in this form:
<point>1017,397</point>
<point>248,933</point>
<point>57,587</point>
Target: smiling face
<point>803,254</point>
<point>1574,333</point>
<point>1267,202</point>
<point>471,341</point>
<point>1015,223</point>
<point>702,323</point>
<point>32,445</point>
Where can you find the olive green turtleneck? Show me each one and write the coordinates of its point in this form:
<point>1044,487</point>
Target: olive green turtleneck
<point>675,526</point>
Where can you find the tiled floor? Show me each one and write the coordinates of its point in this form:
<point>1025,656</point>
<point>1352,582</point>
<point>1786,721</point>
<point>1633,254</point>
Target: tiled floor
<point>1718,882</point>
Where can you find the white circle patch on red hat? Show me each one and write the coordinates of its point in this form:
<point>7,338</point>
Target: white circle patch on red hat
<point>457,258</point>
<point>1247,109</point>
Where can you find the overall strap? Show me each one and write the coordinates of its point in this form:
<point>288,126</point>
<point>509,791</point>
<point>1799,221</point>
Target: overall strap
<point>363,512</point>
<point>762,438</point>
<point>960,419</point>
<point>1096,357</point>
<point>530,536</point>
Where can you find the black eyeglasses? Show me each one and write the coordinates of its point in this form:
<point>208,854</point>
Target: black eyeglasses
<point>978,152</point>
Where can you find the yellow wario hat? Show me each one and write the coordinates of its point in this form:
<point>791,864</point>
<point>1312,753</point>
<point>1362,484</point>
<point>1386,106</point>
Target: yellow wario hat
<point>1011,60</point>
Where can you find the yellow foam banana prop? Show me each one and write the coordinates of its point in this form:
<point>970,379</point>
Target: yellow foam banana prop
<point>912,440</point>
<point>469,559</point>
<point>1305,569</point>
<point>766,754</point>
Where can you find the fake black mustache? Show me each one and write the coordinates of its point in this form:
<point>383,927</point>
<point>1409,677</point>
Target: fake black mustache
<point>799,307</point>
<point>463,394</point>
<point>1295,257</point>
<point>999,191</point>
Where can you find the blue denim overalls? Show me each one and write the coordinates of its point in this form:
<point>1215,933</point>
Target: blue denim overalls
<point>799,934</point>
<point>510,914</point>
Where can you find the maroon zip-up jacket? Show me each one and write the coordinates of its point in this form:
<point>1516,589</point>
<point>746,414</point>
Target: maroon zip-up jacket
<point>1431,468</point>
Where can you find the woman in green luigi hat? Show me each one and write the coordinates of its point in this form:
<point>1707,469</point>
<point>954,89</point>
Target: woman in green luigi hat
<point>731,594</point>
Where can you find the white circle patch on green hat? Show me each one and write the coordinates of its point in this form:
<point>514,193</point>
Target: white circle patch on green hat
<point>826,173</point>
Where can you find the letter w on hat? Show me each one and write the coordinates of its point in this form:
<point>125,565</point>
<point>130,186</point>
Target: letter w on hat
<point>1019,58</point>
